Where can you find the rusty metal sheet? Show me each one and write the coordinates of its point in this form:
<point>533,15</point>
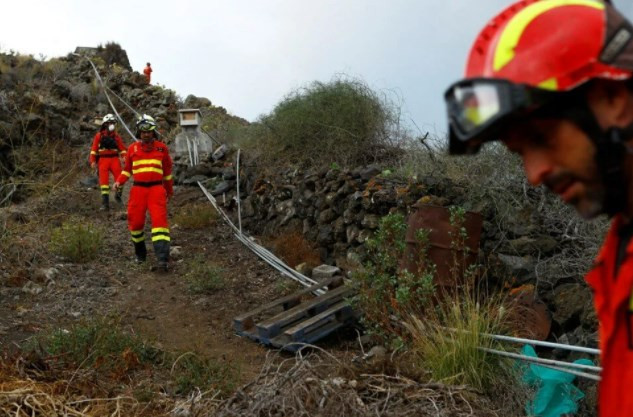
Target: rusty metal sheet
<point>450,261</point>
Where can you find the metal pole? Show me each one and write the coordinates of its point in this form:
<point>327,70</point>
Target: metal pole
<point>239,207</point>
<point>543,343</point>
<point>561,366</point>
<point>524,341</point>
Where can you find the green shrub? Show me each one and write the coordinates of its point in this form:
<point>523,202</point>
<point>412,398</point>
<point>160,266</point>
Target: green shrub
<point>203,277</point>
<point>190,372</point>
<point>196,216</point>
<point>386,294</point>
<point>76,241</point>
<point>99,343</point>
<point>343,121</point>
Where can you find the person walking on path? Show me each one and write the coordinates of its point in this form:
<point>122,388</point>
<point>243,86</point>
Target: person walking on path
<point>148,72</point>
<point>149,164</point>
<point>107,147</point>
<point>553,80</point>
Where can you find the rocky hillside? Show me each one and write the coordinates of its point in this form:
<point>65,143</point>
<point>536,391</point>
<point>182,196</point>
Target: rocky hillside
<point>47,120</point>
<point>56,102</point>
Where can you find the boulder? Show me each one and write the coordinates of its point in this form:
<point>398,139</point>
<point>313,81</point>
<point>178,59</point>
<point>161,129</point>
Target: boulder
<point>323,272</point>
<point>569,302</point>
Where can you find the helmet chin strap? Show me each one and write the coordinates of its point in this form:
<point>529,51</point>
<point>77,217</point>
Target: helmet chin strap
<point>611,151</point>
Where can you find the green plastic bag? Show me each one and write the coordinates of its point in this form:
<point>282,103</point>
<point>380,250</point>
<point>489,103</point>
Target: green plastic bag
<point>555,393</point>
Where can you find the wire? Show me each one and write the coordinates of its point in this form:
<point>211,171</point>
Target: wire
<point>103,86</point>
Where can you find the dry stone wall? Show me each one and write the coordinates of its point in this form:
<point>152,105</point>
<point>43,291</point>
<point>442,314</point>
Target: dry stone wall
<point>338,210</point>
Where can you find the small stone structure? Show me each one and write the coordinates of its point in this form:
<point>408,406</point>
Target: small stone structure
<point>192,143</point>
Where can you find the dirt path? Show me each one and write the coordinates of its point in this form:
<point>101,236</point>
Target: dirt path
<point>159,307</point>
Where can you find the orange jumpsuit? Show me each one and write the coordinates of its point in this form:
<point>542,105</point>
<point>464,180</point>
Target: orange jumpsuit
<point>613,300</point>
<point>148,73</point>
<point>150,167</point>
<point>105,150</point>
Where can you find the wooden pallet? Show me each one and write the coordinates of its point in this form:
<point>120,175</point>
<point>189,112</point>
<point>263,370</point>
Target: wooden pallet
<point>299,318</point>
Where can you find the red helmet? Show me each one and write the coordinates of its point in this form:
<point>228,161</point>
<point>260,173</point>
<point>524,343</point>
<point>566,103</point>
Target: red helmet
<point>528,54</point>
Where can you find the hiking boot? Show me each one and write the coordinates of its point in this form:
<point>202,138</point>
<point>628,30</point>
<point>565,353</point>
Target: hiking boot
<point>105,203</point>
<point>140,251</point>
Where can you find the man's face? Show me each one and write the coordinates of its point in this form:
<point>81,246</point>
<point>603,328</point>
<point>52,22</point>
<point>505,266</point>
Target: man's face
<point>558,154</point>
<point>147,136</point>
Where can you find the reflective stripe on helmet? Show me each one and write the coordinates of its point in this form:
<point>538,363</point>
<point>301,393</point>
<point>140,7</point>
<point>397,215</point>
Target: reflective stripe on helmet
<point>511,34</point>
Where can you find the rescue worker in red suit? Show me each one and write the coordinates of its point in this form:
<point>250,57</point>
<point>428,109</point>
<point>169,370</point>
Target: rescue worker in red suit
<point>150,166</point>
<point>147,71</point>
<point>554,82</point>
<point>106,149</point>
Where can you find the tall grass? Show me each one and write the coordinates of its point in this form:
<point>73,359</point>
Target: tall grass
<point>448,341</point>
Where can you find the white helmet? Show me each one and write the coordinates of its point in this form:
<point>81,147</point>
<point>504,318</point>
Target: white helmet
<point>108,118</point>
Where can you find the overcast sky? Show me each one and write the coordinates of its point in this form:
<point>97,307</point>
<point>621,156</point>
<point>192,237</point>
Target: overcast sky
<point>246,55</point>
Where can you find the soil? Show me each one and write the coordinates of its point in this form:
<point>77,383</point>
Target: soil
<point>158,306</point>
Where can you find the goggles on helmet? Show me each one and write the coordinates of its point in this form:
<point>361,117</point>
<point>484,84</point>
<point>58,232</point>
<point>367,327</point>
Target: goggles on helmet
<point>477,108</point>
<point>146,126</point>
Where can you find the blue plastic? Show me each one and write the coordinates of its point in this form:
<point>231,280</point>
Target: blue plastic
<point>555,393</point>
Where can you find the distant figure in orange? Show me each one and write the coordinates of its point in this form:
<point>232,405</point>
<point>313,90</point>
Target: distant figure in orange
<point>148,72</point>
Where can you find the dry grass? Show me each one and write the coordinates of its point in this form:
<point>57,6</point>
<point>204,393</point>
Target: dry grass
<point>294,249</point>
<point>319,384</point>
<point>196,216</point>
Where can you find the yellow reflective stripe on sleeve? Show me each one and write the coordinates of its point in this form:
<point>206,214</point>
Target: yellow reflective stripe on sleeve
<point>106,187</point>
<point>147,169</point>
<point>168,177</point>
<point>127,174</point>
<point>157,162</point>
<point>160,229</point>
<point>515,27</point>
<point>160,237</point>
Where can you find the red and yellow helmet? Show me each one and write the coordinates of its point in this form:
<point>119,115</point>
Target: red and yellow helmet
<point>527,54</point>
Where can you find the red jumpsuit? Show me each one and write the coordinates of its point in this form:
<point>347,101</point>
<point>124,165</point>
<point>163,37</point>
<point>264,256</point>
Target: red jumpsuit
<point>148,73</point>
<point>150,167</point>
<point>613,300</point>
<point>105,150</point>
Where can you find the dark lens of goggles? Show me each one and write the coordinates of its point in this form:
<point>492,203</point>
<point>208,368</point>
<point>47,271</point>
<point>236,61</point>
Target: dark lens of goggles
<point>474,105</point>
<point>146,127</point>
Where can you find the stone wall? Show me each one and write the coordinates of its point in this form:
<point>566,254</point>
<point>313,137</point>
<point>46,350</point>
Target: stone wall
<point>338,210</point>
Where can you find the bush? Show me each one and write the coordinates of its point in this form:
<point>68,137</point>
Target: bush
<point>111,54</point>
<point>76,241</point>
<point>386,294</point>
<point>203,277</point>
<point>190,372</point>
<point>196,216</point>
<point>100,343</point>
<point>294,249</point>
<point>342,121</point>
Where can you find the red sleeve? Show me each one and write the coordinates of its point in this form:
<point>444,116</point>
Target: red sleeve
<point>94,148</point>
<point>126,173</point>
<point>119,144</point>
<point>168,180</point>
